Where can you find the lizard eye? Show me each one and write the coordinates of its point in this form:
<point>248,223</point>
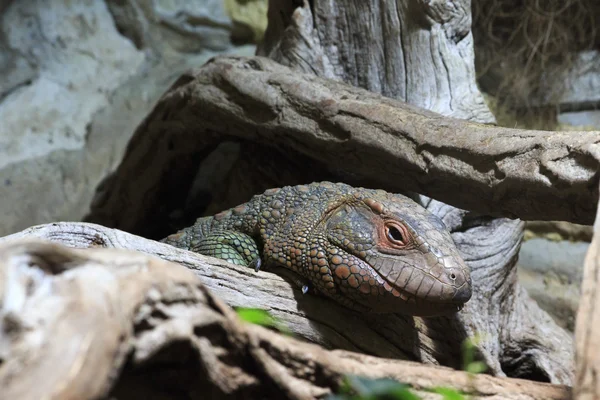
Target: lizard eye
<point>396,234</point>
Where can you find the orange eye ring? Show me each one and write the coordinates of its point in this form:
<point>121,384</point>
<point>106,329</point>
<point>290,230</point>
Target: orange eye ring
<point>396,234</point>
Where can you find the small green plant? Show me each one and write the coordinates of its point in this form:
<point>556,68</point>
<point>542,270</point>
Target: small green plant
<point>261,317</point>
<point>449,393</point>
<point>469,348</point>
<point>359,388</point>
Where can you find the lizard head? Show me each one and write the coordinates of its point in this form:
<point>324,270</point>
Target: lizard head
<point>389,254</point>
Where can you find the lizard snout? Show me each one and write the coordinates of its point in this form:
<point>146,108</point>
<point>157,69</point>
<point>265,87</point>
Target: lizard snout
<point>463,294</point>
<point>456,281</point>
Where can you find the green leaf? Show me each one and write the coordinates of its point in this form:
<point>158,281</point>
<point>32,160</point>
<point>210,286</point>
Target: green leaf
<point>256,316</point>
<point>261,317</point>
<point>476,367</point>
<point>449,393</point>
<point>373,389</point>
<point>469,348</point>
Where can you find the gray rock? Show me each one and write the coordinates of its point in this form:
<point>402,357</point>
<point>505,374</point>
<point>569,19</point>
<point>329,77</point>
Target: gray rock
<point>75,80</point>
<point>590,118</point>
<point>552,272</point>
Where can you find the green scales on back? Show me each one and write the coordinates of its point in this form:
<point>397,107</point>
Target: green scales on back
<point>367,249</point>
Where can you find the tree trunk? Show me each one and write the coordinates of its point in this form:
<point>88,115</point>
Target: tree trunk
<point>587,329</point>
<point>420,52</point>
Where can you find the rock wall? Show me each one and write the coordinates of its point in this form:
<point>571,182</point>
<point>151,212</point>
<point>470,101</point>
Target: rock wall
<point>75,80</point>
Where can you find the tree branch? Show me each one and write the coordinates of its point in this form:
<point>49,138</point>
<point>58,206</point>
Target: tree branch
<point>122,324</point>
<point>499,315</point>
<point>533,175</point>
<point>587,329</point>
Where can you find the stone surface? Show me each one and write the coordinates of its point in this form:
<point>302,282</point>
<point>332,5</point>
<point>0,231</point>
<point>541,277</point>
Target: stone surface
<point>76,78</point>
<point>558,231</point>
<point>551,271</point>
<point>250,15</point>
<point>590,118</point>
<point>583,82</point>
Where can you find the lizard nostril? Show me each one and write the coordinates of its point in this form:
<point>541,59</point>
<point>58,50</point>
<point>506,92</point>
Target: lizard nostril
<point>453,276</point>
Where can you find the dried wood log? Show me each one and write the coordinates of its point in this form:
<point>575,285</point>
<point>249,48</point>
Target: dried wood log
<point>493,170</point>
<point>587,329</point>
<point>419,52</point>
<point>120,324</point>
<point>287,128</point>
<point>518,338</point>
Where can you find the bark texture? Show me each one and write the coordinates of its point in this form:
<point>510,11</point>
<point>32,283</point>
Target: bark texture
<point>238,126</point>
<point>112,319</point>
<point>587,329</point>
<point>517,338</point>
<point>420,52</point>
<point>344,131</point>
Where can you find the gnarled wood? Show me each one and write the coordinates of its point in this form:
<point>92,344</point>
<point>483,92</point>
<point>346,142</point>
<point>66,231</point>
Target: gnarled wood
<point>113,317</point>
<point>420,52</point>
<point>275,127</point>
<point>537,350</point>
<point>587,329</point>
<point>493,170</point>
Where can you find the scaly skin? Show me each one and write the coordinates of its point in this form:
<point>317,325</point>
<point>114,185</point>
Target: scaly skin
<point>368,249</point>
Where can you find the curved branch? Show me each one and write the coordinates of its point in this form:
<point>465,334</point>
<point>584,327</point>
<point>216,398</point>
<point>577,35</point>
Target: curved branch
<point>502,315</point>
<point>587,332</point>
<point>533,175</point>
<point>122,324</point>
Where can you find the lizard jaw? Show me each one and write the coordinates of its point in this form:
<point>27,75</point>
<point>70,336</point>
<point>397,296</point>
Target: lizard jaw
<point>415,306</point>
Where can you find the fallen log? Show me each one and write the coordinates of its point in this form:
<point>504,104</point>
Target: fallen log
<point>101,323</point>
<point>273,126</point>
<point>532,175</point>
<point>587,328</point>
<point>516,336</point>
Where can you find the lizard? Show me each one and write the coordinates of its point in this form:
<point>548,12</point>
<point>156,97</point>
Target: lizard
<point>368,249</point>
